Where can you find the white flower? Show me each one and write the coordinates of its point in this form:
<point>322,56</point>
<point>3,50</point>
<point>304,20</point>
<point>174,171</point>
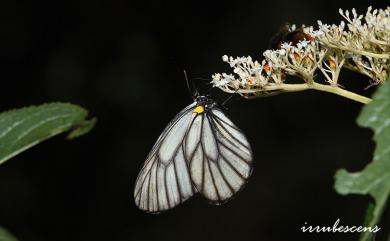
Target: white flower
<point>302,44</point>
<point>225,58</point>
<point>286,45</point>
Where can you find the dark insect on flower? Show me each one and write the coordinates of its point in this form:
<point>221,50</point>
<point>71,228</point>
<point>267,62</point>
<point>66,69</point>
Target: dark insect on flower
<point>285,35</point>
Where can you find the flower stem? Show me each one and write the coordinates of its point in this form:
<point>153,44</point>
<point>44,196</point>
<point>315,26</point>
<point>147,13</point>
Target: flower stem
<point>356,51</point>
<point>342,92</point>
<point>301,87</point>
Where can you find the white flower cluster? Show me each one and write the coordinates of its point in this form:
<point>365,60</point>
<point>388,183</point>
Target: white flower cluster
<point>249,74</point>
<point>363,45</point>
<point>300,60</point>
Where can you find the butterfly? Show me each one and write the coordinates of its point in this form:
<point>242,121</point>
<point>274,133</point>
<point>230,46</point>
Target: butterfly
<point>200,150</point>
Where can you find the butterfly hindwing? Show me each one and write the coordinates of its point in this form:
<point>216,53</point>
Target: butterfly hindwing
<point>220,159</point>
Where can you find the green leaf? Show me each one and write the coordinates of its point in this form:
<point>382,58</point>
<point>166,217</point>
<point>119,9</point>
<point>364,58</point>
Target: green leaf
<point>23,128</point>
<point>6,236</point>
<point>374,179</point>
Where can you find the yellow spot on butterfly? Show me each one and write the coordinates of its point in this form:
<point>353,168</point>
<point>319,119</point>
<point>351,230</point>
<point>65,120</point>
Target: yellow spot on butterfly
<point>199,109</point>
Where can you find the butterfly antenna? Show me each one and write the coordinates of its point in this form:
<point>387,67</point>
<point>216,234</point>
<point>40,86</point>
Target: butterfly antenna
<point>191,87</point>
<point>200,78</point>
<point>228,99</point>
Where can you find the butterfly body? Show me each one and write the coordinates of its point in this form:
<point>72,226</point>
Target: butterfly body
<point>200,150</point>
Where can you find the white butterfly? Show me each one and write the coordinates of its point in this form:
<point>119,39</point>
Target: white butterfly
<point>200,150</point>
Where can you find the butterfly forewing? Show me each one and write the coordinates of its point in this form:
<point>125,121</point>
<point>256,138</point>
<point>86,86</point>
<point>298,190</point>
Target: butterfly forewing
<point>164,180</point>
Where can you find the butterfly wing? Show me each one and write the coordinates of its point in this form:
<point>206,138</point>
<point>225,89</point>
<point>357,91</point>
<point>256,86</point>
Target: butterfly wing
<point>219,156</point>
<point>164,180</point>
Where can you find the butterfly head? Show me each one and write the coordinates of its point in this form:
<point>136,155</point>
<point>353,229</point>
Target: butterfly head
<point>203,103</point>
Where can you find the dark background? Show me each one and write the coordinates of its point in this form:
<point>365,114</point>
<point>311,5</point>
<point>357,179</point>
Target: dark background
<point>123,61</point>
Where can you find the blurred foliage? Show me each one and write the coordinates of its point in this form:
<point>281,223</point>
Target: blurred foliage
<point>23,128</point>
<point>375,178</point>
<point>6,236</point>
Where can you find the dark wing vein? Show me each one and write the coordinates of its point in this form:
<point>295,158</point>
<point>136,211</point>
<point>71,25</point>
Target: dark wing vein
<point>172,184</point>
<point>221,177</point>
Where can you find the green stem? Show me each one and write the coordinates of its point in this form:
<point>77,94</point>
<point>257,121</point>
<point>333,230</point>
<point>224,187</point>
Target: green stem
<point>342,92</point>
<point>356,51</point>
<point>375,211</point>
<point>301,87</point>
